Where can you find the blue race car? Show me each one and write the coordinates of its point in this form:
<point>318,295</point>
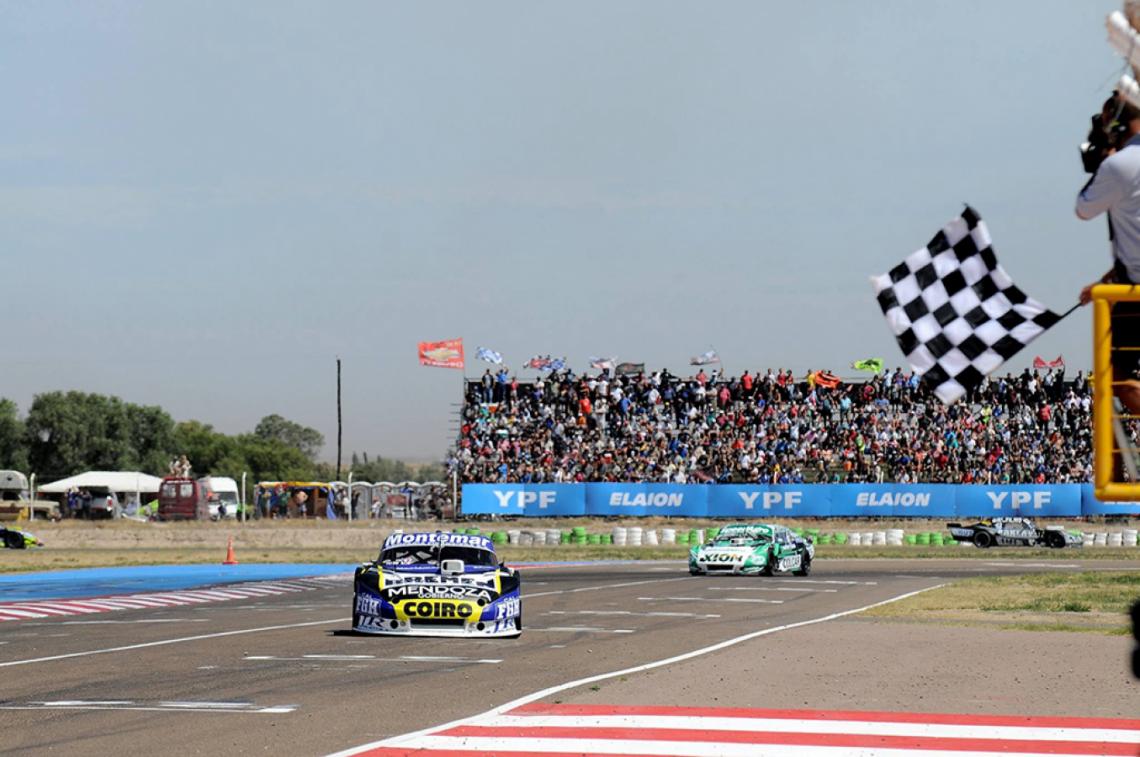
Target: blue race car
<point>437,584</point>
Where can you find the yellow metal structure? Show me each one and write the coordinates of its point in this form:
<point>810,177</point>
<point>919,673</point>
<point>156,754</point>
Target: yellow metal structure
<point>1104,413</point>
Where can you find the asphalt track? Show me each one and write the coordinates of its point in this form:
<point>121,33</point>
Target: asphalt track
<point>284,675</point>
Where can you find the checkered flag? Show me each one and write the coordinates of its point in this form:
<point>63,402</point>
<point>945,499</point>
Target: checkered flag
<point>955,312</point>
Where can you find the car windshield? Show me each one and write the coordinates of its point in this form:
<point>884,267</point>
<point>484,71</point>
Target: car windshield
<point>742,538</point>
<point>431,555</point>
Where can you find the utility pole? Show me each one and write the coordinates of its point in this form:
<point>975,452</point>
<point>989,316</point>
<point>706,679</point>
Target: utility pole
<point>339,427</point>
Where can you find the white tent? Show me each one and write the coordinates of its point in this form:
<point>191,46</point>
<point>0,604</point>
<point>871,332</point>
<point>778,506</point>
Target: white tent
<point>116,481</point>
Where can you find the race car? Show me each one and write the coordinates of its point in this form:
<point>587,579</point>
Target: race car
<point>753,549</point>
<point>1013,532</point>
<point>13,539</point>
<point>437,584</point>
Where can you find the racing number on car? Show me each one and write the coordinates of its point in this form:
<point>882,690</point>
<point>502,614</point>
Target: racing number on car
<point>790,562</point>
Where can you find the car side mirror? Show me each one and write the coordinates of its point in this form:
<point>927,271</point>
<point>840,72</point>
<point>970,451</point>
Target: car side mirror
<point>451,567</point>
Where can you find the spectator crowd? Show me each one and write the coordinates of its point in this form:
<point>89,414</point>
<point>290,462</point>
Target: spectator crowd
<point>1032,427</point>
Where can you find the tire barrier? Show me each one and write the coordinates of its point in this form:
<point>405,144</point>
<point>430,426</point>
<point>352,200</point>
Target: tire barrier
<point>638,536</point>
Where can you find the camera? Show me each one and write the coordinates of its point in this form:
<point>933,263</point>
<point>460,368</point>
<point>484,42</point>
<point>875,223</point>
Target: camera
<point>1106,135</point>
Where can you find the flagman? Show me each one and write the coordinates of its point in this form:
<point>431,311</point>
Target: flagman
<point>1115,189</point>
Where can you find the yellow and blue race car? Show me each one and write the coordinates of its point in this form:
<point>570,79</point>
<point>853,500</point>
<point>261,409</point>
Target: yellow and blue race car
<point>437,584</point>
<point>753,549</point>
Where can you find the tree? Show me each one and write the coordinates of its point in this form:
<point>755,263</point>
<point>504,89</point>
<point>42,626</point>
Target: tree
<point>13,446</point>
<point>69,432</point>
<point>275,428</point>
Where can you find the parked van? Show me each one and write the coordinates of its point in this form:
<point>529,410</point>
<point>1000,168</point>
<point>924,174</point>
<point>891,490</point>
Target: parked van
<point>222,492</point>
<point>15,499</point>
<point>183,499</point>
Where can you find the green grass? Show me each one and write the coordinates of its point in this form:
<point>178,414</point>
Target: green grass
<point>1095,601</point>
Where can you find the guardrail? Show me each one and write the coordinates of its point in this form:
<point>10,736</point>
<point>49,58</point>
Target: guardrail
<point>789,500</point>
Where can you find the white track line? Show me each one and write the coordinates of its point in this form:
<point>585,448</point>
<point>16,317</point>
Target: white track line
<point>605,586</point>
<point>768,588</point>
<point>749,600</point>
<point>165,642</point>
<point>549,691</point>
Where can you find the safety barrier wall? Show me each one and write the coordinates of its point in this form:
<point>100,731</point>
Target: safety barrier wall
<point>790,501</point>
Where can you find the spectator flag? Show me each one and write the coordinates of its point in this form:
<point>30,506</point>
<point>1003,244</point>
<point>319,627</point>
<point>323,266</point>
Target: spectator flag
<point>629,369</point>
<point>445,354</point>
<point>603,363</point>
<point>826,379</point>
<point>489,356</point>
<point>705,358</point>
<point>872,364</point>
<point>545,363</point>
<point>1040,363</point>
<point>955,312</point>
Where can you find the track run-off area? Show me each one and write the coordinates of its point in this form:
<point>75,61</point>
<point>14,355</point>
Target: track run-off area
<point>630,658</point>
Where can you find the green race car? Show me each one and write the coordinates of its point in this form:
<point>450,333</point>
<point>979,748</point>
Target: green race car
<point>753,549</point>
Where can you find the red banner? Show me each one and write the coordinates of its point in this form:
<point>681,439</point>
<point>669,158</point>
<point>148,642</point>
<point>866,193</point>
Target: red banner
<point>1039,363</point>
<point>445,354</point>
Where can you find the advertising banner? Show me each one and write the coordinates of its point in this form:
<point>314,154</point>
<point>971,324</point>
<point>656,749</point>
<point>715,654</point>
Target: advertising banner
<point>533,500</point>
<point>1090,505</point>
<point>893,500</point>
<point>764,501</point>
<point>1028,500</point>
<point>682,500</point>
<point>760,501</point>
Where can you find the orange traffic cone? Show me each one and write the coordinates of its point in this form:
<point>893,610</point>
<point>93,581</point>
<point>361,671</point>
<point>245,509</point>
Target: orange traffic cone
<point>230,559</point>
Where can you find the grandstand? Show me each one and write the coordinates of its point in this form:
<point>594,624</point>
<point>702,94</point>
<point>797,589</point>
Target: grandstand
<point>1032,427</point>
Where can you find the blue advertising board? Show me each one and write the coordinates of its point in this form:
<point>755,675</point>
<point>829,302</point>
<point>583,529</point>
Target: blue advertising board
<point>759,501</point>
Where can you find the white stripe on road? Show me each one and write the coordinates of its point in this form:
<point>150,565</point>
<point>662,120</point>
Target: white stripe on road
<point>666,748</point>
<point>419,738</point>
<point>631,612</point>
<point>369,658</point>
<point>580,629</point>
<point>165,642</point>
<point>792,725</point>
<point>605,586</point>
<point>712,599</point>
<point>768,588</point>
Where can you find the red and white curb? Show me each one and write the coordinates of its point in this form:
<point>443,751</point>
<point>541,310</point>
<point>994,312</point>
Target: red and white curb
<point>563,729</point>
<point>46,608</point>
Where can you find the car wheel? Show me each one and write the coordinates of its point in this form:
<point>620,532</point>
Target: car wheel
<point>770,566</point>
<point>14,540</point>
<point>1054,540</point>
<point>805,567</point>
<point>983,539</point>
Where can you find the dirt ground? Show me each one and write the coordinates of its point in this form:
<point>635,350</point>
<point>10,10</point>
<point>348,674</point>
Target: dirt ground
<point>860,663</point>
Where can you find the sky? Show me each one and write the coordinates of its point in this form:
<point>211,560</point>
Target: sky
<point>204,204</point>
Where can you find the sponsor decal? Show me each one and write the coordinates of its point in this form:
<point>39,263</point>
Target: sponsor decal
<point>369,621</point>
<point>647,499</point>
<point>1017,499</point>
<point>722,556</point>
<point>441,539</point>
<point>521,499</point>
<point>367,605</point>
<point>426,609</point>
<point>768,500</point>
<point>437,591</point>
<point>892,499</point>
<point>507,608</point>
